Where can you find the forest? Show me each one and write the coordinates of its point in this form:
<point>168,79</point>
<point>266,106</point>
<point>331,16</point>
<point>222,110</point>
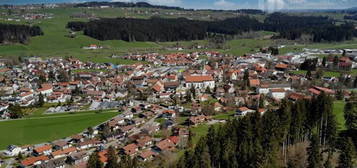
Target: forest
<point>263,141</point>
<point>10,33</point>
<point>125,4</point>
<point>319,29</point>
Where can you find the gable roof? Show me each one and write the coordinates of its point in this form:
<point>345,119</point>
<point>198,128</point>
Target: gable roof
<point>201,78</point>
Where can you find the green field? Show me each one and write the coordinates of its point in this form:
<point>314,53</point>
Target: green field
<point>338,110</point>
<point>48,127</point>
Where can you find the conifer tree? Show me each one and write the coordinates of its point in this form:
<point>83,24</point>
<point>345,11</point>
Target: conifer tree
<point>347,154</point>
<point>315,158</point>
<point>94,161</point>
<point>112,158</point>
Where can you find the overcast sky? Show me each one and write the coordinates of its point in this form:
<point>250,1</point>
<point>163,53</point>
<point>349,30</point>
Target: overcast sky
<point>226,4</point>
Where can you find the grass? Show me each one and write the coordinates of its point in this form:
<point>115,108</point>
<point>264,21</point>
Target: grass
<point>338,110</point>
<point>224,116</point>
<point>199,131</point>
<point>48,128</point>
<point>243,46</point>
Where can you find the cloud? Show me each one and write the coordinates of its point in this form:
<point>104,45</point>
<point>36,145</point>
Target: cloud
<point>274,5</point>
<point>223,4</point>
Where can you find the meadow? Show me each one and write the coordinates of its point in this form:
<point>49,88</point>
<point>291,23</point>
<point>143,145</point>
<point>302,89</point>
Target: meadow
<point>46,128</point>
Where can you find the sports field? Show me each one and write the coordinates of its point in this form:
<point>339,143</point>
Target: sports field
<point>48,127</point>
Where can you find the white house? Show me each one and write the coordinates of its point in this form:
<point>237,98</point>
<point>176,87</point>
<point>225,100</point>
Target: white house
<point>12,150</point>
<point>199,81</point>
<point>242,111</point>
<point>277,93</point>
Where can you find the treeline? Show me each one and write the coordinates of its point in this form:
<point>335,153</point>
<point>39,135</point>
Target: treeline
<point>159,29</point>
<point>10,33</point>
<point>125,5</point>
<point>319,29</point>
<point>351,17</point>
<point>260,141</point>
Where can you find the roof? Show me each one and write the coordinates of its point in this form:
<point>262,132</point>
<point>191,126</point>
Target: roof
<point>103,156</point>
<point>174,139</point>
<point>277,90</point>
<point>166,144</point>
<point>64,151</point>
<point>281,66</point>
<point>254,82</point>
<point>130,149</point>
<point>244,109</point>
<point>147,154</point>
<point>31,160</point>
<point>43,148</point>
<point>201,78</point>
<point>143,140</point>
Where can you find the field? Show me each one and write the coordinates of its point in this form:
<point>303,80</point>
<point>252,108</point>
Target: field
<point>338,110</point>
<point>47,128</point>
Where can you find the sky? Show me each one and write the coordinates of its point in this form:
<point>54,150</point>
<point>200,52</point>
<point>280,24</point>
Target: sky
<point>225,4</point>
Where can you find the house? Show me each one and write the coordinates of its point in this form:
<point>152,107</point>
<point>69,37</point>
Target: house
<point>103,156</point>
<point>316,90</point>
<point>88,144</point>
<point>34,160</point>
<point>169,114</point>
<point>174,139</point>
<point>278,93</point>
<point>147,155</point>
<point>242,111</point>
<point>55,163</point>
<point>130,149</point>
<point>144,142</point>
<point>79,157</point>
<point>281,67</point>
<point>164,145</point>
<point>254,83</point>
<point>194,120</point>
<point>12,150</point>
<point>63,152</point>
<point>158,87</point>
<point>199,81</point>
<point>43,150</point>
<point>61,144</point>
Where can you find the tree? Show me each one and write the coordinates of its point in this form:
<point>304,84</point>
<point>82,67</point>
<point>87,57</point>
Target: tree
<point>350,113</point>
<point>315,158</point>
<point>347,154</point>
<point>94,161</point>
<point>324,61</point>
<point>16,111</point>
<point>41,100</point>
<point>90,130</point>
<point>112,158</point>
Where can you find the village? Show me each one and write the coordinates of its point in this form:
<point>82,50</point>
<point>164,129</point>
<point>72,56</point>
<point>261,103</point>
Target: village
<point>159,101</point>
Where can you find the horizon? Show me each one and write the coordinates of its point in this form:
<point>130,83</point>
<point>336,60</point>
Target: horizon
<point>267,5</point>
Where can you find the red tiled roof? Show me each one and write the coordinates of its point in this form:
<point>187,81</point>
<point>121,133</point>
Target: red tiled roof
<point>165,145</point>
<point>174,139</point>
<point>31,160</point>
<point>43,148</point>
<point>64,151</point>
<point>103,156</point>
<point>202,78</point>
<point>281,66</point>
<point>147,154</point>
<point>130,149</point>
<point>254,82</point>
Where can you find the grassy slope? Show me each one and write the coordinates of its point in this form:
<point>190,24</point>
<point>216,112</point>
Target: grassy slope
<point>54,43</point>
<point>39,130</point>
<point>338,110</point>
